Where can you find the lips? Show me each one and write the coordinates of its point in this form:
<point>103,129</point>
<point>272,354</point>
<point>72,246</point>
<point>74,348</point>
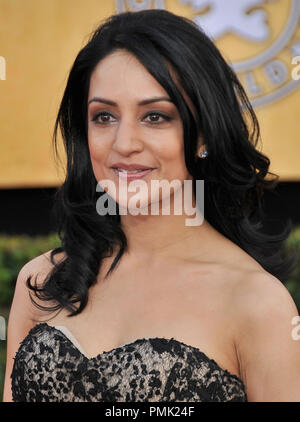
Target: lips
<point>133,166</point>
<point>132,176</point>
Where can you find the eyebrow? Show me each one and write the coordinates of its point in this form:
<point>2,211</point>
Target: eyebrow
<point>142,102</point>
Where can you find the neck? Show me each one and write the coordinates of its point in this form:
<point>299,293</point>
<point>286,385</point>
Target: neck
<point>157,237</point>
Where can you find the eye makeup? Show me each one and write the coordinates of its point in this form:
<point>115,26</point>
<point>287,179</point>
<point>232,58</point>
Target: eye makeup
<point>163,116</point>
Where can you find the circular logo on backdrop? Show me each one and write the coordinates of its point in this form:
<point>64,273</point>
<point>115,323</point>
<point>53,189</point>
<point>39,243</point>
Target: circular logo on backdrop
<point>259,38</point>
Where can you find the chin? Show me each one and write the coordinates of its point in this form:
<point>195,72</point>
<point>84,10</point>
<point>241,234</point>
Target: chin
<point>134,206</point>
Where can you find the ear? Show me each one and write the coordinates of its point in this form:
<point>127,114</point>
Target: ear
<point>201,148</point>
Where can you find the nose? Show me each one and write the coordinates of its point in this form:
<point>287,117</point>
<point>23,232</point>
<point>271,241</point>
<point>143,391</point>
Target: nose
<point>127,138</point>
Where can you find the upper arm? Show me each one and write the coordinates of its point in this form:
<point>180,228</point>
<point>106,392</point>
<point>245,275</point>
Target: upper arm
<point>23,314</point>
<point>267,345</point>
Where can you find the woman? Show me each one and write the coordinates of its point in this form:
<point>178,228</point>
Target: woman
<point>149,307</point>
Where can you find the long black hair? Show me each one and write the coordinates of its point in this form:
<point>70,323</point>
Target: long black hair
<point>235,171</point>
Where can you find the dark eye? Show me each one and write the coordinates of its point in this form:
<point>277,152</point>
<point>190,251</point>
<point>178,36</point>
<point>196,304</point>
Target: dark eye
<point>101,114</point>
<point>155,121</point>
<point>157,116</point>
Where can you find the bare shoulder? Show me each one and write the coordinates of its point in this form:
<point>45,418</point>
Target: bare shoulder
<point>257,298</point>
<point>269,357</point>
<point>38,269</point>
<point>24,313</point>
<point>42,264</point>
<point>259,292</point>
<point>251,290</point>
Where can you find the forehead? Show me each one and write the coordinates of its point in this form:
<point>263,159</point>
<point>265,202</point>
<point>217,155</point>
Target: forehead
<point>122,74</point>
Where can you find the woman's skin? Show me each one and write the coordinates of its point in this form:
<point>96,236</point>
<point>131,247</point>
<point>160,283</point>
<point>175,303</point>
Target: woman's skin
<point>190,283</point>
<point>127,134</point>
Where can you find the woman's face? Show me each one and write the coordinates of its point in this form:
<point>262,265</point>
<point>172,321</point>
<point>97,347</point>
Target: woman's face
<point>121,130</point>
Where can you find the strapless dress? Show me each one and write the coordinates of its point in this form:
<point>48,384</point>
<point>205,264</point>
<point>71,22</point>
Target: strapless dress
<point>51,366</point>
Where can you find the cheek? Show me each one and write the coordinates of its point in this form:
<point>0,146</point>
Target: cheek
<point>172,148</point>
<point>95,146</point>
<point>97,156</point>
<point>99,147</point>
<point>94,154</point>
<point>173,156</point>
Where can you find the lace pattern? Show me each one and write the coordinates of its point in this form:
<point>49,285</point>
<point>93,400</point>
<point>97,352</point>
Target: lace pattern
<point>48,367</point>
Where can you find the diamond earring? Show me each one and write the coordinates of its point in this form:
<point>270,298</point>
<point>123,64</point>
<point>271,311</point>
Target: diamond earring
<point>203,153</point>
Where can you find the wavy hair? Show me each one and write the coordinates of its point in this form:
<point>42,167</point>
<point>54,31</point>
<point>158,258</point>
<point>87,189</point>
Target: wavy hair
<point>235,171</point>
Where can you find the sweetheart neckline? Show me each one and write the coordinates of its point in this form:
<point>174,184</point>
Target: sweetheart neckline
<point>139,340</point>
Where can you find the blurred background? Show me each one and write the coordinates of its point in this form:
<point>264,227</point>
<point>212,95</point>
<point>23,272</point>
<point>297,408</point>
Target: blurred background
<point>39,40</point>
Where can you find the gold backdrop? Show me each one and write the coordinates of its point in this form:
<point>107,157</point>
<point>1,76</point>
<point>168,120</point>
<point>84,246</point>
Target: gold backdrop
<point>39,40</point>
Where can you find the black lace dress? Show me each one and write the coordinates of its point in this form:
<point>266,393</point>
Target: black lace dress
<point>51,367</point>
